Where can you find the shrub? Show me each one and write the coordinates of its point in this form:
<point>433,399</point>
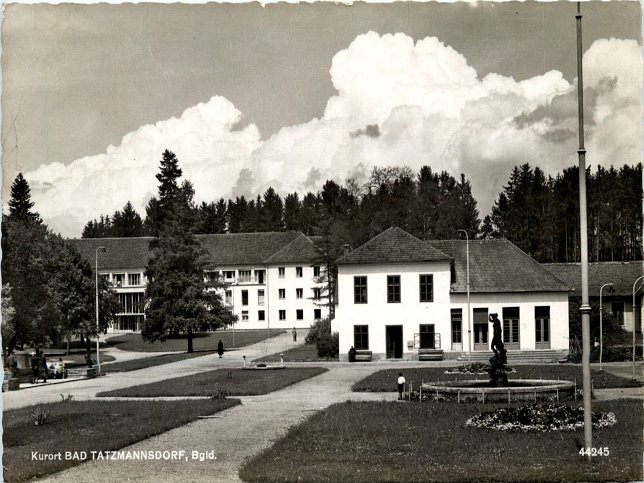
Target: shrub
<point>39,416</point>
<point>328,344</point>
<point>610,354</point>
<point>219,393</point>
<point>66,397</point>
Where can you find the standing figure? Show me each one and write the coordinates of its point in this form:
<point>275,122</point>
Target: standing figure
<point>60,368</point>
<point>220,348</point>
<point>43,367</point>
<point>294,332</point>
<point>401,385</point>
<point>34,362</point>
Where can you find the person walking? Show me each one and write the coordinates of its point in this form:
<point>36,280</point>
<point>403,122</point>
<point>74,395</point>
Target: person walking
<point>401,385</point>
<point>294,335</point>
<point>220,348</point>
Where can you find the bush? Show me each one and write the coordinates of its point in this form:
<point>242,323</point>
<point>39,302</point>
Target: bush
<point>39,416</point>
<point>328,344</point>
<point>610,354</point>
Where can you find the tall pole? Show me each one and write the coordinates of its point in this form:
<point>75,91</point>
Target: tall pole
<point>583,222</point>
<point>601,329</point>
<point>469,324</point>
<point>98,356</point>
<point>634,312</point>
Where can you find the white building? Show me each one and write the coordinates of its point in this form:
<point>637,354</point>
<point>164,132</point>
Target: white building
<point>398,294</point>
<point>272,278</point>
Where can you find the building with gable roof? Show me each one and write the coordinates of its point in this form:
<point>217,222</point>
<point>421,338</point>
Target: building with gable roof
<point>272,279</point>
<point>398,294</point>
<point>618,299</point>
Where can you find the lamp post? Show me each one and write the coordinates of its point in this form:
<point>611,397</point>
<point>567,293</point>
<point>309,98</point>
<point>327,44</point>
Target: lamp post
<point>634,311</point>
<point>469,324</point>
<point>98,356</point>
<point>601,331</point>
<point>583,245</point>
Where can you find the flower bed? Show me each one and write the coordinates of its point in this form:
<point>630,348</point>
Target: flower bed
<point>476,368</point>
<point>539,417</point>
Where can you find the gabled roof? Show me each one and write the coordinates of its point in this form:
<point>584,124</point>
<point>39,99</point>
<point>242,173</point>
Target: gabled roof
<point>119,252</point>
<point>393,245</point>
<point>621,274</point>
<point>497,266</point>
<point>224,249</point>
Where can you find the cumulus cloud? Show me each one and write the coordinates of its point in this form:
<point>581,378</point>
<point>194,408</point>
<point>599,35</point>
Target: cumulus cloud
<point>399,102</point>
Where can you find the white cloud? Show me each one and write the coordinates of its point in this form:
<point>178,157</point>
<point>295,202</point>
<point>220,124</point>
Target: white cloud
<point>398,103</point>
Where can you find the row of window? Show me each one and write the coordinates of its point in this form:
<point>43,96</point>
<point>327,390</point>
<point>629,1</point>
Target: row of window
<point>299,294</point>
<point>481,325</point>
<point>299,315</point>
<point>120,279</point>
<point>425,286</point>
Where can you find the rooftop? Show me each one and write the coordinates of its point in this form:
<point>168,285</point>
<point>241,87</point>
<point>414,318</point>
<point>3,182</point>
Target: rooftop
<point>621,274</point>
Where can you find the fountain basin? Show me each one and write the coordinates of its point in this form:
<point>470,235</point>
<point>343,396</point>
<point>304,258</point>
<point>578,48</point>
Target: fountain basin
<point>516,388</point>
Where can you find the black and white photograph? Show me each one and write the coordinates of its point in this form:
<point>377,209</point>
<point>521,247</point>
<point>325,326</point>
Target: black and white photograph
<point>307,242</point>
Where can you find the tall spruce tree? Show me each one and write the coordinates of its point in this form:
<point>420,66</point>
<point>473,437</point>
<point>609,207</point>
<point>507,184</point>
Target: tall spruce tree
<point>20,204</point>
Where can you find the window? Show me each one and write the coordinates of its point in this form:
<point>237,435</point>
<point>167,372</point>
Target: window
<point>229,274</point>
<point>244,276</point>
<point>260,297</point>
<point>426,288</point>
<point>282,314</point>
<point>361,337</point>
<point>131,302</point>
<point>360,290</point>
<point>244,297</point>
<point>261,315</point>
<point>393,289</point>
<point>259,276</point>
<point>299,314</point>
<point>134,279</point>
<point>299,293</point>
<point>229,297</point>
<point>298,272</point>
<point>317,293</point>
<point>212,276</point>
<point>244,315</point>
<point>280,272</point>
<point>118,278</point>
<point>457,326</point>
<point>317,314</point>
<point>316,271</point>
<point>105,276</point>
<point>617,309</point>
<point>282,293</point>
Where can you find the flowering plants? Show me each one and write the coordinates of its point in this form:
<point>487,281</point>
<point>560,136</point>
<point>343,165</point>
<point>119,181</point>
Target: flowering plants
<point>539,417</point>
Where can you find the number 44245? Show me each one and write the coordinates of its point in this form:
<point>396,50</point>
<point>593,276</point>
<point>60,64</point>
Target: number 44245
<point>594,451</point>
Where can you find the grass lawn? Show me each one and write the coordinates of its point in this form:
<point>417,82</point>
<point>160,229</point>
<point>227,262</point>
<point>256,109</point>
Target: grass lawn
<point>90,426</point>
<point>302,353</point>
<point>134,364</point>
<point>388,441</point>
<point>240,383</point>
<point>206,341</point>
<point>386,380</point>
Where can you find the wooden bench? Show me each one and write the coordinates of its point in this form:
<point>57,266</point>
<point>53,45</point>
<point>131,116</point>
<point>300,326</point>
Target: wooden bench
<point>430,354</point>
<point>363,355</point>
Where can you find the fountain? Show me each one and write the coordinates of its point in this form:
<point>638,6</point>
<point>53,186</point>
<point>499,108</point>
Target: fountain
<point>498,387</point>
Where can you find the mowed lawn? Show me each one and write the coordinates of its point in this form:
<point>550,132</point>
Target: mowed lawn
<point>301,353</point>
<point>90,426</point>
<point>385,380</point>
<point>389,441</point>
<point>206,341</point>
<point>152,361</point>
<point>235,382</point>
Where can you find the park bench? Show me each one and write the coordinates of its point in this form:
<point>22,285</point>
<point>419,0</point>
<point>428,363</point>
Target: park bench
<point>363,355</point>
<point>430,354</point>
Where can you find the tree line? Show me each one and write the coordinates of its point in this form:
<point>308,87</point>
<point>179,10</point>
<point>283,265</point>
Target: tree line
<point>537,213</point>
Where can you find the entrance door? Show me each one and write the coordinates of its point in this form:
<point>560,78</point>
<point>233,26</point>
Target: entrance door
<point>394,341</point>
<point>511,327</point>
<point>480,330</point>
<point>542,328</point>
<point>426,336</point>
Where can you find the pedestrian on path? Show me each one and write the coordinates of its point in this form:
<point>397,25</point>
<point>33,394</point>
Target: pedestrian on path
<point>294,335</point>
<point>401,385</point>
<point>220,348</point>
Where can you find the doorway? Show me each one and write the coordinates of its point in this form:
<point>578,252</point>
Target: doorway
<point>480,330</point>
<point>394,335</point>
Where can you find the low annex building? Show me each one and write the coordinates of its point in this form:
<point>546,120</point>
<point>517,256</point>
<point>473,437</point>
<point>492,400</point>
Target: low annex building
<point>398,294</point>
<point>272,279</point>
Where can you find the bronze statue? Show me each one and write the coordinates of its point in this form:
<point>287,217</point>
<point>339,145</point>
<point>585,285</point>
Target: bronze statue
<point>497,371</point>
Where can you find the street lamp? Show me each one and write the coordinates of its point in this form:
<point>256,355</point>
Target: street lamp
<point>634,307</point>
<point>601,332</point>
<point>469,324</point>
<point>98,357</point>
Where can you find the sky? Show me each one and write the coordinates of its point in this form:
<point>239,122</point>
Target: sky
<point>290,95</point>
